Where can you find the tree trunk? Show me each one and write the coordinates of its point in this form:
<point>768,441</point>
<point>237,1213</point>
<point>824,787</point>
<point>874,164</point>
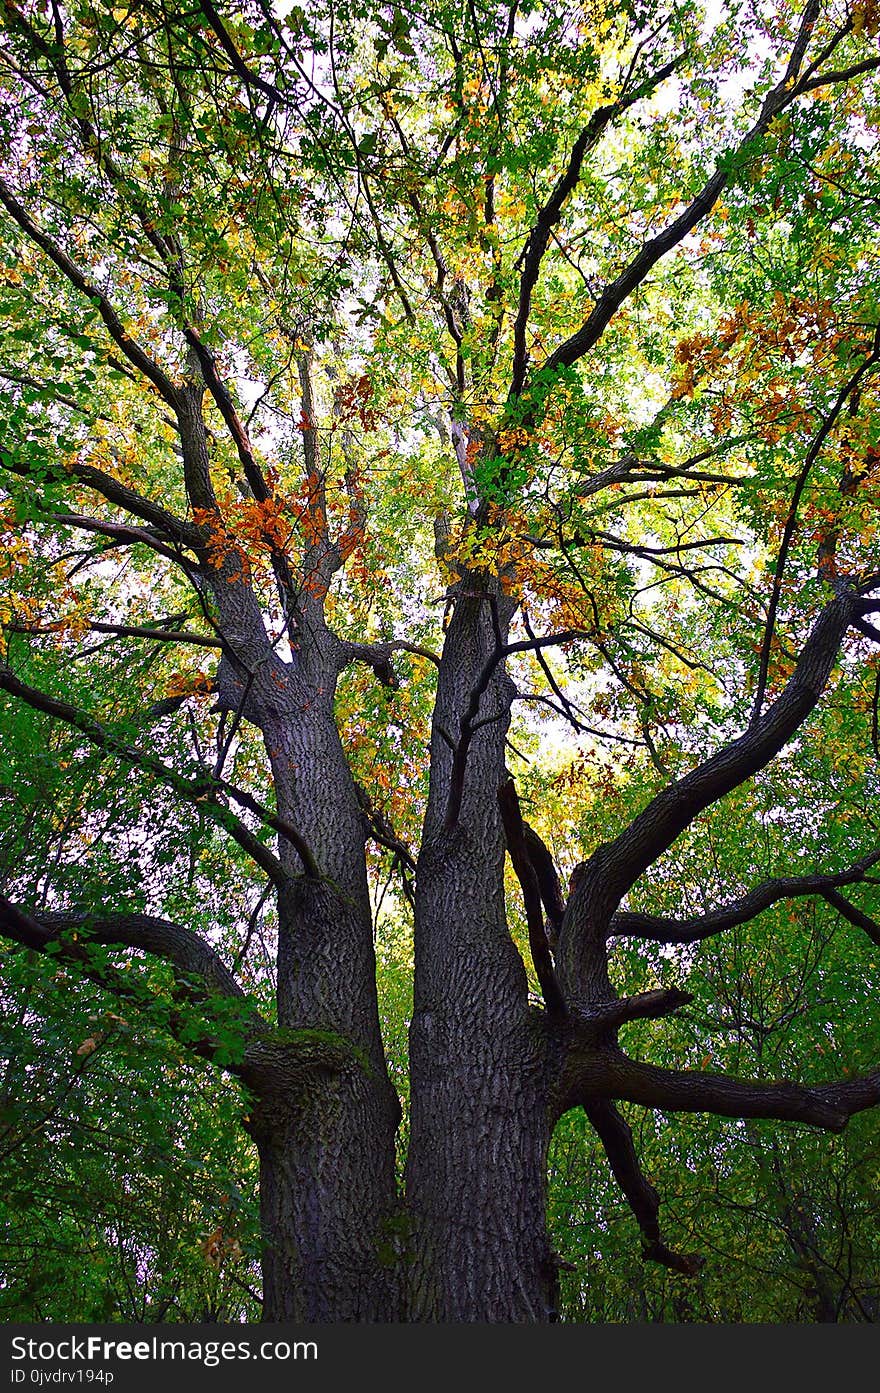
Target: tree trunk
<point>480,1123</point>
<point>325,1113</point>
<point>321,1126</point>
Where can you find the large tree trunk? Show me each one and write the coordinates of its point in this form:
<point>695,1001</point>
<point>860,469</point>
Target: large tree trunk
<point>325,1113</point>
<point>322,1123</point>
<point>480,1125</point>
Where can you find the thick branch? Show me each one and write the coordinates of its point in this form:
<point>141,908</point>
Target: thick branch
<point>853,915</point>
<point>252,471</point>
<point>378,656</point>
<point>605,1016</point>
<point>177,529</point>
<point>617,1139</point>
<point>120,533</point>
<point>827,1105</point>
<point>619,863</point>
<point>188,953</point>
<point>548,879</point>
<point>239,67</point>
<point>161,938</point>
<point>122,631</point>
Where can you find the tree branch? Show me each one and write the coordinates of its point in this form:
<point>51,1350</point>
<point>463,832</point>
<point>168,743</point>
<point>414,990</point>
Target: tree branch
<point>853,915</point>
<point>119,532</point>
<point>178,529</point>
<point>378,657</point>
<point>113,324</point>
<point>614,294</point>
<point>826,1105</point>
<point>606,1016</point>
<point>791,521</point>
<point>617,1140</point>
<point>514,832</point>
<point>121,631</point>
<point>469,724</point>
<point>204,794</point>
<point>186,951</point>
<point>549,215</point>
<point>161,938</point>
<point>252,471</point>
<point>618,864</point>
<point>548,880</point>
<point>382,832</point>
<point>658,929</point>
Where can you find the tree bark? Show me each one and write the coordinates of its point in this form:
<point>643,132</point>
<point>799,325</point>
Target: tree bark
<point>322,1120</point>
<point>325,1114</point>
<point>479,1055</point>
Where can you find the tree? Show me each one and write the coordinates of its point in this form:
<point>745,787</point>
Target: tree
<point>373,375</point>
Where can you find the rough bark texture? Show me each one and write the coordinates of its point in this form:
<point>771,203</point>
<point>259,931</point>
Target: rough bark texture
<point>325,1133</point>
<point>322,1121</point>
<point>480,1122</point>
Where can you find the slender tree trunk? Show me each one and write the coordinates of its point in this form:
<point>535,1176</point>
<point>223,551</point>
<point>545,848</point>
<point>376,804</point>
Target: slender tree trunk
<point>480,1123</point>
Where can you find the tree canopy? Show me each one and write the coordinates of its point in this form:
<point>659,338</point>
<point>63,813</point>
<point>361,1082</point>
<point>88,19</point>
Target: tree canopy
<point>439,674</point>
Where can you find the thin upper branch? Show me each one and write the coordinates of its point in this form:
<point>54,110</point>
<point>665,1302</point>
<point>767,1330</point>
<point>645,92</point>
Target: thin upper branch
<point>617,291</point>
<point>469,723</point>
<point>137,356</point>
<point>549,215</point>
<point>203,793</point>
<point>659,929</point>
<point>845,394</point>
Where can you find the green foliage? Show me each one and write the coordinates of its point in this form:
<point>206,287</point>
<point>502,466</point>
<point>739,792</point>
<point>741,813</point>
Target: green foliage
<point>329,241</point>
<point>128,1186</point>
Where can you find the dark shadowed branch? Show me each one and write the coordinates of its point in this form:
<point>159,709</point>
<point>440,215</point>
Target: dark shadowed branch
<point>660,929</point>
<point>549,215</point>
<point>70,936</point>
<point>615,1075</point>
<point>617,1139</point>
<point>526,874</point>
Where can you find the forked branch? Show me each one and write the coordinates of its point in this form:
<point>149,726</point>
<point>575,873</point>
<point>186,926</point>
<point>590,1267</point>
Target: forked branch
<point>659,929</point>
<point>786,91</point>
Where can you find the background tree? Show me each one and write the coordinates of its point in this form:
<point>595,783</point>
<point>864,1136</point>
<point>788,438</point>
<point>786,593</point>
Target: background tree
<point>580,310</point>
